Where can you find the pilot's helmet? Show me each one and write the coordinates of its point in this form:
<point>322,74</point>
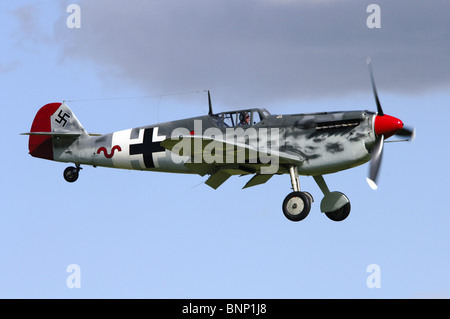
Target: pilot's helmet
<point>243,115</point>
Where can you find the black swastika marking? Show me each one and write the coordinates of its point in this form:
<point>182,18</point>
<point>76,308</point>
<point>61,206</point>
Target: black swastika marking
<point>62,118</point>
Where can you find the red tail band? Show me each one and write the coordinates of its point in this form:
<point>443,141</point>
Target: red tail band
<point>38,145</point>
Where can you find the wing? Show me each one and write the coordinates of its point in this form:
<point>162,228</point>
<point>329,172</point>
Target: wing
<point>222,159</point>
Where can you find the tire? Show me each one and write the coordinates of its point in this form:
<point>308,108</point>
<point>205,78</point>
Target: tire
<point>296,206</point>
<point>340,214</point>
<point>70,174</point>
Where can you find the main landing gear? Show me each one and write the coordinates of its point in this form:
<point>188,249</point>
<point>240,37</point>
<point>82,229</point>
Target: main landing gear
<point>296,205</point>
<point>71,173</point>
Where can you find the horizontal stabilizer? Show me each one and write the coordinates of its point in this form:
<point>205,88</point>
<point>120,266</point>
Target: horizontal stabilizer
<point>53,120</point>
<point>68,134</point>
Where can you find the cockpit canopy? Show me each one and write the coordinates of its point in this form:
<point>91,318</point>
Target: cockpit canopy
<point>242,118</point>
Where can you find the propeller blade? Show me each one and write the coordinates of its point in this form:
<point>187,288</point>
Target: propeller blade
<point>377,154</point>
<point>374,88</point>
<point>210,105</point>
<point>407,132</point>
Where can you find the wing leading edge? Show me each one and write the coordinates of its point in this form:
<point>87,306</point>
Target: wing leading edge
<point>221,159</point>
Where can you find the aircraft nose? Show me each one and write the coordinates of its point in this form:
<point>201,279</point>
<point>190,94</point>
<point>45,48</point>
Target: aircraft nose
<point>387,125</point>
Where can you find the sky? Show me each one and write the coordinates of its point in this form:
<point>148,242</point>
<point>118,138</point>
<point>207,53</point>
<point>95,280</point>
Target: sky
<point>133,234</point>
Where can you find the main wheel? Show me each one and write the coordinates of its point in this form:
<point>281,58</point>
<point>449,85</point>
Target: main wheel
<point>296,206</point>
<point>71,174</point>
<point>340,214</point>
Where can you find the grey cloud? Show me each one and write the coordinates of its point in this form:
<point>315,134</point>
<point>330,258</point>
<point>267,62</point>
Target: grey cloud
<point>265,51</point>
<point>8,67</point>
<point>31,31</point>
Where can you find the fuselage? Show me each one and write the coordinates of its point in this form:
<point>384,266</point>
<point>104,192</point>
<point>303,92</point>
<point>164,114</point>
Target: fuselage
<point>324,142</point>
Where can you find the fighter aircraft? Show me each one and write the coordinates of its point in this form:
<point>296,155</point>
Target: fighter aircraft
<point>243,142</point>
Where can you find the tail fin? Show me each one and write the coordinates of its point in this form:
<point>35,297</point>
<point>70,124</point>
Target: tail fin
<point>53,119</point>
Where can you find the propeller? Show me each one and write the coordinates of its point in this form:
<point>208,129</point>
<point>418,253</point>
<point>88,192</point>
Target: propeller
<point>374,88</point>
<point>375,163</point>
<point>385,127</point>
<point>377,151</point>
<point>410,133</point>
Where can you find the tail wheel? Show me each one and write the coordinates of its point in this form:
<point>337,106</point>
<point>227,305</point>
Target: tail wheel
<point>296,206</point>
<point>71,174</point>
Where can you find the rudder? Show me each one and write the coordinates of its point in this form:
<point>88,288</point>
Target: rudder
<point>51,119</point>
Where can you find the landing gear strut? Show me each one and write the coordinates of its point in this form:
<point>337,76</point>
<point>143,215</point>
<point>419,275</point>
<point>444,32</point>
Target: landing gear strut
<point>71,173</point>
<point>334,204</point>
<point>296,205</point>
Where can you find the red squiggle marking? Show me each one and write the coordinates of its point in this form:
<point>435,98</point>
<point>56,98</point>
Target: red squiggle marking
<point>115,147</point>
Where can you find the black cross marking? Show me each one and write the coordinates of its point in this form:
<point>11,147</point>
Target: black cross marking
<point>62,118</point>
<point>147,148</point>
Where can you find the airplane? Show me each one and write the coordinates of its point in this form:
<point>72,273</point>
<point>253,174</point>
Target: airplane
<point>248,141</point>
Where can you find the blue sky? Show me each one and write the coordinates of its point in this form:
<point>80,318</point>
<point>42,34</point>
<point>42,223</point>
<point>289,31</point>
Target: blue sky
<point>154,235</point>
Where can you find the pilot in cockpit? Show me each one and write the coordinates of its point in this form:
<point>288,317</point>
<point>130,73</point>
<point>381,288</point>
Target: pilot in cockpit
<point>244,118</point>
